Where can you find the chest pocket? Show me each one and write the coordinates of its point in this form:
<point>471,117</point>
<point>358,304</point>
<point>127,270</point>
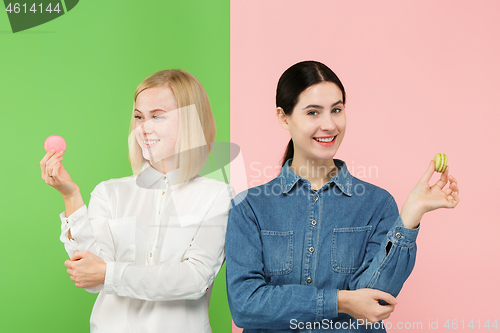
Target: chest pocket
<point>348,248</point>
<point>277,248</point>
<point>123,232</point>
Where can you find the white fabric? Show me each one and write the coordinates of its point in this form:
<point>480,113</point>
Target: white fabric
<point>163,244</point>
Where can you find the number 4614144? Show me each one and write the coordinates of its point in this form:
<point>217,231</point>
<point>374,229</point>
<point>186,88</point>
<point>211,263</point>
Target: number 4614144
<point>18,8</point>
<point>455,324</point>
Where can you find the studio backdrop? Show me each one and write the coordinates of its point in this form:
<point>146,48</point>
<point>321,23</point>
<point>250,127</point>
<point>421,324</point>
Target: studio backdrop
<point>421,77</point>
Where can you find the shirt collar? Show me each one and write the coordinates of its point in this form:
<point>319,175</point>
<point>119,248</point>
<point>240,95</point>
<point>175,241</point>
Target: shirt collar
<point>342,179</point>
<point>152,178</point>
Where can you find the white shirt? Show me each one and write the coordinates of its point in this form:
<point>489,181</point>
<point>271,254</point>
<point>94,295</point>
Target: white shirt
<point>163,244</point>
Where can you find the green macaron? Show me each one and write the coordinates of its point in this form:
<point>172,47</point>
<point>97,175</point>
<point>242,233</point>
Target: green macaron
<point>440,161</point>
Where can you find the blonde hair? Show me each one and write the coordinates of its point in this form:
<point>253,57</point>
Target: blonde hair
<point>196,123</point>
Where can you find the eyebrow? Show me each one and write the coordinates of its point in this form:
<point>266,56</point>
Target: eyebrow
<point>321,107</point>
<point>151,110</point>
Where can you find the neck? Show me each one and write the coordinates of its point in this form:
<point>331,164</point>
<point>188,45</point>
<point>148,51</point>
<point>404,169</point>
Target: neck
<point>164,165</point>
<point>317,171</point>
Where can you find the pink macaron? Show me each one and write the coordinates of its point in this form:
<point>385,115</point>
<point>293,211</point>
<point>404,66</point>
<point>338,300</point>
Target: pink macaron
<point>55,142</point>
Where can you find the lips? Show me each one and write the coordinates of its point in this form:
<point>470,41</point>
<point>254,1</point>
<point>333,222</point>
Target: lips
<point>326,141</point>
<point>150,143</point>
<point>325,138</point>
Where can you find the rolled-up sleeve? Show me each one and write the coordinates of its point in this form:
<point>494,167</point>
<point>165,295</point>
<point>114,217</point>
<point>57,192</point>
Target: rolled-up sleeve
<point>390,254</point>
<point>88,227</point>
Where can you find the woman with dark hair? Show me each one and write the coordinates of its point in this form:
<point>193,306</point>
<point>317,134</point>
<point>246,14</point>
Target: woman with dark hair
<point>317,248</point>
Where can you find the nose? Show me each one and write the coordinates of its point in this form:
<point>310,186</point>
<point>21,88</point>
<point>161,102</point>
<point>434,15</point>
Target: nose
<point>146,127</point>
<point>328,122</point>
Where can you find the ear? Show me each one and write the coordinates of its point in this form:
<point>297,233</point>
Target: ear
<point>282,118</point>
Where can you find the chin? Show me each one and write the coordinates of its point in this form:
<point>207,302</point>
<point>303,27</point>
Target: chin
<point>326,156</point>
<point>146,156</point>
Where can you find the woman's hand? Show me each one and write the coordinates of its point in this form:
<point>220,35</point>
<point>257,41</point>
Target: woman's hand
<point>86,269</point>
<point>54,174</point>
<point>424,198</point>
<point>363,304</point>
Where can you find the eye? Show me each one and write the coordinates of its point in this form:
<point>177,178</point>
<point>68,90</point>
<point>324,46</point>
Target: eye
<point>158,118</point>
<point>137,117</point>
<point>312,112</point>
<point>337,110</point>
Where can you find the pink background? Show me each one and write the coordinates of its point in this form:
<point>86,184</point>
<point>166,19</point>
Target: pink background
<point>421,77</point>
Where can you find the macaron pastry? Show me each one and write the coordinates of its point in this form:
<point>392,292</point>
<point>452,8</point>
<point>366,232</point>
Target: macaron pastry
<point>440,161</point>
<point>55,142</point>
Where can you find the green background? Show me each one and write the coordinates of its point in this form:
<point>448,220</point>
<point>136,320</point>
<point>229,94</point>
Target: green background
<point>76,76</point>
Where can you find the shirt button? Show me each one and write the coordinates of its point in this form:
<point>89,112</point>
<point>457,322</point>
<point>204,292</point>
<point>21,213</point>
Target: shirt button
<point>316,198</point>
<point>163,193</point>
<point>309,280</point>
<point>311,249</point>
<point>164,178</point>
<point>398,235</point>
<point>313,222</point>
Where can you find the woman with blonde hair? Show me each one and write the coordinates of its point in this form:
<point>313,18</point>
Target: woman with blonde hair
<point>152,243</point>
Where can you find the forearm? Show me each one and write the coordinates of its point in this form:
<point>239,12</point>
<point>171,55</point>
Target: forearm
<point>85,228</point>
<point>186,280</point>
<point>411,214</point>
<point>72,203</point>
<point>342,301</point>
<point>346,302</point>
<point>256,305</point>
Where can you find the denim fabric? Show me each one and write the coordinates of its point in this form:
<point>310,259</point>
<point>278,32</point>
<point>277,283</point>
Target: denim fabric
<point>289,249</point>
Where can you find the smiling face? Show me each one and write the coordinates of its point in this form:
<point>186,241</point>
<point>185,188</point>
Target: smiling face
<point>317,123</point>
<point>156,123</point>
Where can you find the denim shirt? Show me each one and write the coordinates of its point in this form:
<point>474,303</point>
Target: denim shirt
<point>290,249</point>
